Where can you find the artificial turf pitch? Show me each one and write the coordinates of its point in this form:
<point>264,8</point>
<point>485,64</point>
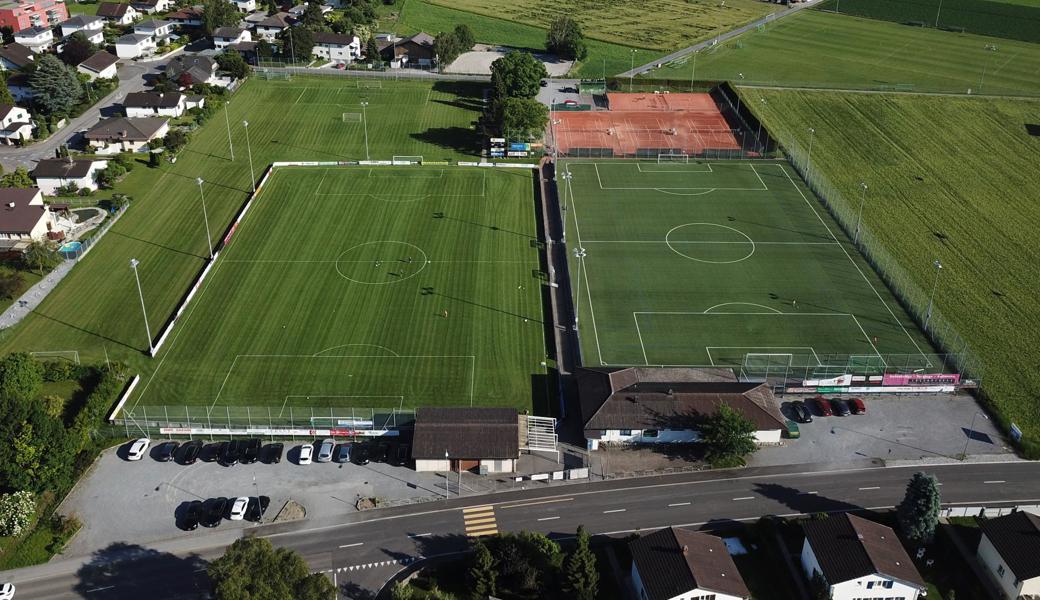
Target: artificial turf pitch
<point>386,287</point>
<point>704,263</point>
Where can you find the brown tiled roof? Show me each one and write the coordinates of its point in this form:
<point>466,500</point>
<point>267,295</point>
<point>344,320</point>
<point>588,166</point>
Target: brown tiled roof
<point>1016,537</point>
<point>200,68</point>
<point>5,109</point>
<point>17,54</point>
<point>327,37</point>
<point>121,128</point>
<point>227,32</point>
<point>849,547</point>
<point>152,100</point>
<point>112,9</point>
<point>62,168</point>
<point>466,433</point>
<point>280,19</point>
<point>22,217</point>
<point>673,562</point>
<point>99,61</point>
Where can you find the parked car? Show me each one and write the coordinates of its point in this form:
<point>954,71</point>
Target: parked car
<point>190,521</point>
<point>840,407</point>
<point>6,591</point>
<point>231,453</point>
<point>165,451</point>
<point>360,454</point>
<point>822,406</point>
<point>257,507</point>
<point>570,102</point>
<point>328,446</point>
<point>238,508</point>
<point>801,412</point>
<point>343,455</point>
<point>273,453</point>
<point>138,449</point>
<point>857,406</point>
<point>212,452</point>
<point>189,452</point>
<point>213,511</point>
<point>250,451</point>
<point>306,452</point>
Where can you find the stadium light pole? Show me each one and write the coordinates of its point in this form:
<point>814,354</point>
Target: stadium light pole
<point>292,48</point>
<point>446,476</point>
<point>971,428</point>
<point>364,118</point>
<point>567,179</point>
<point>148,330</point>
<point>937,13</point>
<point>931,298</point>
<point>631,75</point>
<point>249,150</point>
<point>808,159</point>
<point>579,253</point>
<point>205,217</point>
<point>862,201</point>
<point>985,65</point>
<point>693,76</point>
<point>227,120</point>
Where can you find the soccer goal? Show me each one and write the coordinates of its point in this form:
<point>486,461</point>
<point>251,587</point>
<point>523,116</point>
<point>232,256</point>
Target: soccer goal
<point>673,157</point>
<point>370,84</point>
<point>277,75</point>
<point>351,117</point>
<point>69,355</point>
<point>407,160</point>
<point>760,367</point>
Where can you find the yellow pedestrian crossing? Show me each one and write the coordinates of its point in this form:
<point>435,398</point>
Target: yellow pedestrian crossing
<point>479,520</point>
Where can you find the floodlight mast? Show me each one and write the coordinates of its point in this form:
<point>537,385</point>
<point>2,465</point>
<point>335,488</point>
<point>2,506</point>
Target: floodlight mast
<point>205,217</point>
<point>931,297</point>
<point>133,265</point>
<point>249,150</point>
<point>227,120</point>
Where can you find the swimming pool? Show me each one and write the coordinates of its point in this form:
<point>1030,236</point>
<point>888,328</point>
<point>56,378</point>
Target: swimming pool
<point>71,249</point>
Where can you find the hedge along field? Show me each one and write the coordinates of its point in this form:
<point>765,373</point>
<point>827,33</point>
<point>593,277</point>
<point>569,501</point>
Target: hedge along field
<point>95,310</point>
<point>953,179</point>
<point>416,15</point>
<point>1017,21</point>
<point>854,53</point>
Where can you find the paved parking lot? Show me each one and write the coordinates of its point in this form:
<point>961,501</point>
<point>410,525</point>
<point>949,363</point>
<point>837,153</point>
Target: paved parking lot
<point>138,501</point>
<point>478,61</point>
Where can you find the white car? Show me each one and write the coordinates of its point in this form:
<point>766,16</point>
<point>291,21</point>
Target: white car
<point>238,508</point>
<point>326,450</point>
<point>306,452</point>
<point>6,591</point>
<point>137,451</point>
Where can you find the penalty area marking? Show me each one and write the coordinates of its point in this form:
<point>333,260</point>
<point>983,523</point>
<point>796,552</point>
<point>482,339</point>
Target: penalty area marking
<point>708,310</point>
<point>392,353</point>
<point>811,350</point>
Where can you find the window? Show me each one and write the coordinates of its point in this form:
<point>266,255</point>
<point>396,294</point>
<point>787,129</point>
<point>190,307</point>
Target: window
<point>887,584</point>
<point>1000,570</point>
<point>626,432</point>
<point>649,433</point>
<point>870,584</point>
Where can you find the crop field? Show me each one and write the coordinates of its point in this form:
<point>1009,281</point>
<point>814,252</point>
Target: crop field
<point>95,309</point>
<point>390,287</point>
<point>725,263</point>
<point>953,179</point>
<point>665,25</point>
<point>1019,20</point>
<point>854,53</point>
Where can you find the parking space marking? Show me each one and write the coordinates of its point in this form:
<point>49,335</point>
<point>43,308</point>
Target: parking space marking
<point>995,481</point>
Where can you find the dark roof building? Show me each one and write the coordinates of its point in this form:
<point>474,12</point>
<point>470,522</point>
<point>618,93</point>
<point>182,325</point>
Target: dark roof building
<point>112,10</point>
<point>199,68</point>
<point>1011,543</point>
<point>99,61</point>
<point>674,562</point>
<point>328,37</point>
<point>16,55</point>
<point>227,32</point>
<point>21,212</point>
<point>120,129</point>
<point>467,437</point>
<point>153,100</point>
<point>414,49</point>
<point>62,168</point>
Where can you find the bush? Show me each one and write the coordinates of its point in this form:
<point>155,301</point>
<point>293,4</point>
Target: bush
<point>11,282</point>
<point>63,370</point>
<point>21,377</point>
<point>16,512</point>
<point>91,417</point>
<point>54,406</point>
<point>83,192</point>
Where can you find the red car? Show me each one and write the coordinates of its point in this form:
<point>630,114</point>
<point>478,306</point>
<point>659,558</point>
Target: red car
<point>857,406</point>
<point>822,406</point>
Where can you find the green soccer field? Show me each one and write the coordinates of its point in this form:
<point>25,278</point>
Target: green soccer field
<point>389,287</point>
<point>725,264</point>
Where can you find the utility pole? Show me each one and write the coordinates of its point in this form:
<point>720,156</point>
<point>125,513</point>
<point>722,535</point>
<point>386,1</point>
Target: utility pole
<point>133,265</point>
<point>808,160</point>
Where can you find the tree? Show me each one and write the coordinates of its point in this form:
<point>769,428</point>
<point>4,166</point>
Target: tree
<point>21,378</point>
<point>482,575</point>
<point>565,39</point>
<point>524,117</point>
<point>19,178</point>
<point>446,47</point>
<point>372,49</point>
<point>918,513</point>
<point>55,87</point>
<point>285,574</point>
<point>5,95</point>
<point>264,49</point>
<point>272,7</point>
<point>10,283</point>
<point>217,14</point>
<point>175,140</point>
<point>41,256</point>
<point>401,591</point>
<point>729,436</point>
<point>464,36</point>
<point>518,75</point>
<point>313,19</point>
<point>297,43</point>
<point>77,49</point>
<point>580,577</point>
<point>232,63</point>
<point>16,512</point>
<point>7,33</point>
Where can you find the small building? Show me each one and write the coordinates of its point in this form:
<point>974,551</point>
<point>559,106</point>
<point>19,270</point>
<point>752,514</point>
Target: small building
<point>190,69</point>
<point>269,28</point>
<point>414,51</point>
<point>160,30</point>
<point>186,17</point>
<point>466,439</point>
<point>154,104</point>
<point>151,7</point>
<point>859,559</point>
<point>101,65</point>
<point>135,45</point>
<point>54,173</point>
<point>247,50</point>
<point>23,216</point>
<point>227,36</point>
<point>121,134</point>
<point>297,12</point>
<point>15,56</point>
<point>120,13</point>
<point>90,25</point>
<point>245,6</point>
<point>339,47</point>
<point>1010,552</point>
<point>37,39</point>
<point>661,405</point>
<point>15,124</point>
<point>679,564</point>
<point>23,14</point>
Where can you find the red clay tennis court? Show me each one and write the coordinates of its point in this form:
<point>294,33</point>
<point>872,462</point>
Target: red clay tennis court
<point>646,125</point>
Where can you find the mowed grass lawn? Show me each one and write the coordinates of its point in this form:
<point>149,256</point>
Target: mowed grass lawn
<point>96,307</point>
<point>949,178</point>
<point>824,50</point>
<point>378,287</point>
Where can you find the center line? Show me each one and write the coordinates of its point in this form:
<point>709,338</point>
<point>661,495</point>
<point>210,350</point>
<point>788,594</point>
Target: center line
<point>616,510</point>
<point>351,545</point>
<point>870,488</point>
<point>415,535</point>
<point>995,481</point>
<point>679,504</point>
<point>745,498</point>
<point>548,518</point>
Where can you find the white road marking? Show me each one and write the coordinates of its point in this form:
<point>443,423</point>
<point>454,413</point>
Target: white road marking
<point>548,518</point>
<point>679,504</point>
<point>810,493</point>
<point>100,589</point>
<point>352,545</point>
<point>745,498</point>
<point>616,510</point>
<point>419,535</point>
<point>995,481</point>
<point>874,487</point>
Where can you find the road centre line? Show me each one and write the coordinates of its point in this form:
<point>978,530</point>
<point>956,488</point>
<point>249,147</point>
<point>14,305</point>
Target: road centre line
<point>679,504</point>
<point>873,487</point>
<point>535,503</point>
<point>419,535</point>
<point>352,545</point>
<point>995,481</point>
<point>745,498</point>
<point>616,510</point>
<point>549,518</point>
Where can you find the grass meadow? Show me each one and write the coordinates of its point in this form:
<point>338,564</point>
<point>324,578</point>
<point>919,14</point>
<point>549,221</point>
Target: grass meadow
<point>1019,20</point>
<point>816,49</point>
<point>953,179</point>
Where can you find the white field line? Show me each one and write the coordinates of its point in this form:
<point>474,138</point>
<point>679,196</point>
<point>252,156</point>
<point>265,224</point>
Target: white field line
<point>757,243</point>
<point>577,232</point>
<point>640,334</point>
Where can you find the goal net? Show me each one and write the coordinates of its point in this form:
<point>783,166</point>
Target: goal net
<point>760,367</point>
<point>369,84</point>
<point>351,117</point>
<point>69,355</point>
<point>407,160</point>
<point>279,75</point>
<point>673,157</point>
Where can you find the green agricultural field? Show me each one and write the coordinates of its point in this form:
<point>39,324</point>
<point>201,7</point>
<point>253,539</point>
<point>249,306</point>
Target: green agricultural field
<point>82,8</point>
<point>1019,20</point>
<point>389,287</point>
<point>95,309</point>
<point>953,179</point>
<point>725,263</point>
<point>822,50</point>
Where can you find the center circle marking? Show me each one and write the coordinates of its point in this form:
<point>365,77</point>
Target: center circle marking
<point>668,241</point>
<point>389,252</point>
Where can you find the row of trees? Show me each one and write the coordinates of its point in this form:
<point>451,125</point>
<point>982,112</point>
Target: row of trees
<point>513,110</point>
<point>449,45</point>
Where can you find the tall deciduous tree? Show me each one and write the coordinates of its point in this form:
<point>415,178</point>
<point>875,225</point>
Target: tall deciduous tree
<point>253,569</point>
<point>21,377</point>
<point>565,39</point>
<point>482,574</point>
<point>918,513</point>
<point>729,436</point>
<point>232,63</point>
<point>19,178</point>
<point>580,577</point>
<point>297,44</point>
<point>5,95</point>
<point>217,14</point>
<point>55,87</point>
<point>523,118</point>
<point>313,19</point>
<point>518,75</point>
<point>77,49</point>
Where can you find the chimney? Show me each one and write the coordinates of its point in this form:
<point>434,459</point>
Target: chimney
<point>685,550</point>
<point>859,536</point>
<point>10,205</point>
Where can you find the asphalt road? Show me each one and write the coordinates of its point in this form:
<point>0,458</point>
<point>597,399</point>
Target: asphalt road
<point>365,550</point>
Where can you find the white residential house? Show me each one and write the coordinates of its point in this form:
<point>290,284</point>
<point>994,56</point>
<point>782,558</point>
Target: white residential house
<point>90,25</point>
<point>680,564</point>
<point>120,134</point>
<point>15,124</point>
<point>858,559</point>
<point>186,17</point>
<point>23,216</point>
<point>269,28</point>
<point>1010,552</point>
<point>297,11</point>
<point>155,104</point>
<point>227,36</point>
<point>37,39</point>
<point>151,7</point>
<point>134,45</point>
<point>120,13</point>
<point>160,30</point>
<point>246,6</point>
<point>337,47</point>
<point>466,439</point>
<point>101,65</point>
<point>53,173</point>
